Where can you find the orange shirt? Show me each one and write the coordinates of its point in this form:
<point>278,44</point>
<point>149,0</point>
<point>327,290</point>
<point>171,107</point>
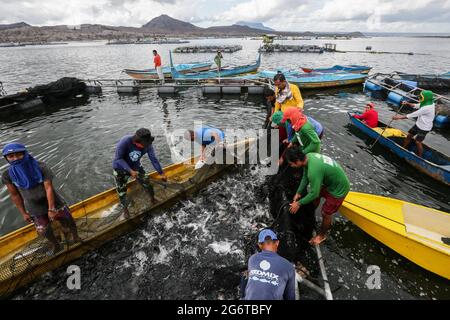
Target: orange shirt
<point>157,61</point>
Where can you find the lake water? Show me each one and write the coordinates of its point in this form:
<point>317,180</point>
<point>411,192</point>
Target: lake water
<point>195,249</point>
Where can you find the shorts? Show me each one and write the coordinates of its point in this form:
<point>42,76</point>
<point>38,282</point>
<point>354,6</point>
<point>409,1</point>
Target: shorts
<point>41,222</point>
<point>331,204</point>
<point>419,133</point>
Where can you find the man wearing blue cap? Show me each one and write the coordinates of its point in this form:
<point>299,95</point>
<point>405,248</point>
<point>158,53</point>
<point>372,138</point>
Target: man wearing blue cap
<point>29,183</point>
<point>270,276</point>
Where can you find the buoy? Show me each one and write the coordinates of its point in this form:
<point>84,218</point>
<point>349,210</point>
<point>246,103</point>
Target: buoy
<point>441,121</point>
<point>93,89</point>
<point>256,90</point>
<point>127,89</point>
<point>211,90</point>
<point>231,89</point>
<point>395,98</point>
<point>167,89</point>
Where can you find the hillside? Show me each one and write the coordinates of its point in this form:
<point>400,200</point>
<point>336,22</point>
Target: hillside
<point>254,25</point>
<point>159,26</point>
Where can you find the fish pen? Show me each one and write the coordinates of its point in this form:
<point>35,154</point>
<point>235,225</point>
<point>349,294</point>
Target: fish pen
<point>208,49</point>
<point>291,48</point>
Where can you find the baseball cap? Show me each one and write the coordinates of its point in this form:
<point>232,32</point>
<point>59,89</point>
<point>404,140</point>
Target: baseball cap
<point>266,233</point>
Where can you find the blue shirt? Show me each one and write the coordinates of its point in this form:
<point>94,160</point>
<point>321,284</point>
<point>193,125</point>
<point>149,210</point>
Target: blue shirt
<point>316,124</point>
<point>128,156</point>
<point>270,277</point>
<point>204,135</point>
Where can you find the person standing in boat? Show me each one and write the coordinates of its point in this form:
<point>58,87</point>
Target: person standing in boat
<point>370,115</point>
<point>270,276</point>
<point>127,163</point>
<point>29,183</point>
<point>218,60</point>
<point>286,94</point>
<point>326,179</point>
<point>424,123</point>
<point>158,66</point>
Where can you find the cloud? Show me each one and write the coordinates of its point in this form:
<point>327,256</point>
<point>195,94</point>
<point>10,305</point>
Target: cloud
<point>287,15</point>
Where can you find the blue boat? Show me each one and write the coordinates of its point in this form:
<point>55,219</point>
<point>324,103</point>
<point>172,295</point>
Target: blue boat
<point>428,81</point>
<point>433,163</point>
<point>214,73</point>
<point>352,68</point>
<point>148,74</point>
<point>316,80</point>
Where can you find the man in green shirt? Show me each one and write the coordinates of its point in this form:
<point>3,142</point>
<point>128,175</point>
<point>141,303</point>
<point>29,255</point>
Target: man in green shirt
<point>304,132</point>
<point>326,179</point>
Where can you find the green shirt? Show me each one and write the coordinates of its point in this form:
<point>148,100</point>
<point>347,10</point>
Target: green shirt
<point>323,171</point>
<point>308,139</point>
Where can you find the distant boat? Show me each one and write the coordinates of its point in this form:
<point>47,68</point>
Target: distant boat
<point>149,74</point>
<point>432,163</point>
<point>214,73</point>
<point>317,80</point>
<point>428,81</point>
<point>338,68</point>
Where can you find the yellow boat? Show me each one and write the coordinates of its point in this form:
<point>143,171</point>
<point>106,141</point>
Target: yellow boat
<point>416,232</point>
<point>24,256</point>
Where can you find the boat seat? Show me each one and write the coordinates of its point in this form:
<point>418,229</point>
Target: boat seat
<point>427,223</point>
<point>390,132</point>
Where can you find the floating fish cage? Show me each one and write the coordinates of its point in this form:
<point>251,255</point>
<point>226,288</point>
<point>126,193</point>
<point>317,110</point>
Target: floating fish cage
<point>292,48</point>
<point>208,49</point>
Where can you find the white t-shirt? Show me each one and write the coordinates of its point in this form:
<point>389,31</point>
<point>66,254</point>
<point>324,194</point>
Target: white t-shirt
<point>425,117</point>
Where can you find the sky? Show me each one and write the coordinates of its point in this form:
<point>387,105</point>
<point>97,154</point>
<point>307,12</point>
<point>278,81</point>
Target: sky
<point>284,15</point>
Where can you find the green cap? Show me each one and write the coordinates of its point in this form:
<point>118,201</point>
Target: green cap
<point>277,117</point>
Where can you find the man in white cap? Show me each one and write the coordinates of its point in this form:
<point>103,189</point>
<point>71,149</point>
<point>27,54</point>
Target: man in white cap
<point>270,276</point>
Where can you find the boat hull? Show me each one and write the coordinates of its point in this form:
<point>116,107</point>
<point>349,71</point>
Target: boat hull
<point>438,172</point>
<point>383,219</point>
<point>214,74</point>
<point>151,74</point>
<point>349,69</point>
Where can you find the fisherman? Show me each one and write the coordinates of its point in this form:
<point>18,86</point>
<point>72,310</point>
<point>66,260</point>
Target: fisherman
<point>270,276</point>
<point>126,164</point>
<point>218,60</point>
<point>326,179</point>
<point>205,136</point>
<point>30,185</point>
<point>158,66</point>
<point>286,94</point>
<point>278,116</point>
<point>304,132</point>
<point>370,115</point>
<point>424,123</point>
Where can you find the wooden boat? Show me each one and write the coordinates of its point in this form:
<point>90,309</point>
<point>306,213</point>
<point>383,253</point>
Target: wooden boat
<point>318,80</point>
<point>353,68</point>
<point>420,234</point>
<point>149,74</point>
<point>428,81</point>
<point>433,163</point>
<point>214,73</point>
<point>24,256</point>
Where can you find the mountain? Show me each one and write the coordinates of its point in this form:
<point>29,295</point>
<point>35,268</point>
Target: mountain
<point>233,30</point>
<point>168,24</point>
<point>14,26</point>
<point>254,25</point>
<point>160,26</point>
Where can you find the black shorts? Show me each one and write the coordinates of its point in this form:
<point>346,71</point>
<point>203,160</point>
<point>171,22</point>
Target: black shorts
<point>420,134</point>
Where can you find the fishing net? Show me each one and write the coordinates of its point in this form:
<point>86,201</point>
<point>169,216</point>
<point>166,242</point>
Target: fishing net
<point>97,225</point>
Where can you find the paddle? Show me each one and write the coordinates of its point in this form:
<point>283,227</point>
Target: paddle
<point>387,126</point>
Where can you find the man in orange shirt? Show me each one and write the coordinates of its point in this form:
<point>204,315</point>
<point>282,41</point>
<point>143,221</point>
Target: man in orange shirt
<point>158,67</point>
